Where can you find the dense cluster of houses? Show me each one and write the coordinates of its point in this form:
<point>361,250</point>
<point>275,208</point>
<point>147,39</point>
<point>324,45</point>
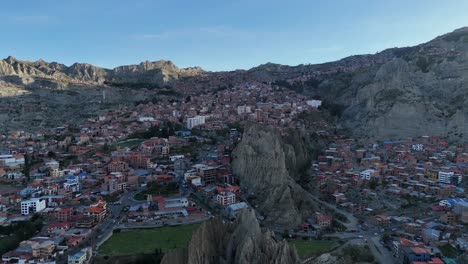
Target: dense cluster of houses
<point>412,187</point>
<point>71,173</point>
<point>67,174</point>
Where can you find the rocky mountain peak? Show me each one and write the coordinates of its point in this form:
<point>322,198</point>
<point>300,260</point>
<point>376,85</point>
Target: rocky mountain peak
<point>10,59</point>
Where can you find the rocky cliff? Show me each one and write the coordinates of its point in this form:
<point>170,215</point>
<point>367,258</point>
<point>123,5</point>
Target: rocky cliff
<point>157,72</point>
<point>395,93</point>
<point>421,92</point>
<point>242,242</point>
<point>268,166</point>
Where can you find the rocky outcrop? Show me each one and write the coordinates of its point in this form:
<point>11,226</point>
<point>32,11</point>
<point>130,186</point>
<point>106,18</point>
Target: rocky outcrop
<point>401,92</point>
<point>241,242</point>
<point>87,73</point>
<point>268,167</point>
<point>157,72</point>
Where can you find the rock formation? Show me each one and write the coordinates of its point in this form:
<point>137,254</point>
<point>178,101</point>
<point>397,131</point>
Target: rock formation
<point>268,167</point>
<point>241,242</point>
<point>158,72</point>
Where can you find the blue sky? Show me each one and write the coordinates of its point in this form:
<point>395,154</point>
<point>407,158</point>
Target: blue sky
<point>218,34</point>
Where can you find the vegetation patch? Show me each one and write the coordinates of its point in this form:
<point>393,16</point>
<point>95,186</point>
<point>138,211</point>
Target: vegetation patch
<point>133,142</point>
<point>143,241</point>
<point>14,234</point>
<point>449,251</point>
<point>311,248</point>
<point>158,189</point>
<point>333,108</point>
<point>355,254</point>
<point>163,131</point>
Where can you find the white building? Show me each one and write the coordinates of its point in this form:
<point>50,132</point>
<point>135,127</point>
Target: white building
<point>417,147</point>
<point>449,177</point>
<point>81,257</point>
<point>196,181</point>
<point>367,174</point>
<point>11,161</point>
<point>176,157</point>
<point>14,175</point>
<point>225,198</point>
<point>32,205</point>
<point>314,103</point>
<point>243,109</point>
<point>195,121</point>
<point>52,164</point>
<point>175,202</point>
<point>146,119</point>
<point>72,184</point>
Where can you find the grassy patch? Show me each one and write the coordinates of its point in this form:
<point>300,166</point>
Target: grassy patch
<point>449,251</point>
<point>130,143</point>
<point>111,198</point>
<point>140,196</point>
<point>311,247</point>
<point>158,189</point>
<point>143,241</point>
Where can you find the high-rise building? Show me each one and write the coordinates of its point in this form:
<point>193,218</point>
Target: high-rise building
<point>195,121</point>
<point>32,205</point>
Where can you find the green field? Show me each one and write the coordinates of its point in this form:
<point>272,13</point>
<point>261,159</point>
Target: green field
<point>157,189</point>
<point>130,143</point>
<point>139,241</point>
<point>311,247</point>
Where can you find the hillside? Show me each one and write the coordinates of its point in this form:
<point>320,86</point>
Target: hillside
<point>395,93</point>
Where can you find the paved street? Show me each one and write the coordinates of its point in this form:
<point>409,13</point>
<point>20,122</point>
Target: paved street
<point>353,221</point>
<point>382,255</point>
<point>101,232</point>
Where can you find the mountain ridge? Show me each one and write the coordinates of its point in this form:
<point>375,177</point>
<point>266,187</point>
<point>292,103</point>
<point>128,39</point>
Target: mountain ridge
<point>169,65</point>
<point>163,71</point>
<point>398,92</point>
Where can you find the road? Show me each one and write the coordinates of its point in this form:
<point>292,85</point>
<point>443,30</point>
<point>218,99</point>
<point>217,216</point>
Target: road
<point>382,255</point>
<point>353,221</point>
<point>102,231</point>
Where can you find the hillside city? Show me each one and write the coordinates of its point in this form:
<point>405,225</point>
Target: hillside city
<point>66,192</point>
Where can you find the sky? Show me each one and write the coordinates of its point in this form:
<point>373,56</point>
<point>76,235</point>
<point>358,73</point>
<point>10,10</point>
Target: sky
<point>218,35</point>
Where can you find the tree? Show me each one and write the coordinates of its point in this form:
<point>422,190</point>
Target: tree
<point>27,166</point>
<point>386,238</point>
<point>373,184</point>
